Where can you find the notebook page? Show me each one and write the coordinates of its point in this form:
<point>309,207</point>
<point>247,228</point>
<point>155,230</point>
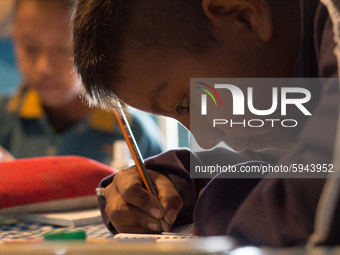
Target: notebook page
<point>154,237</point>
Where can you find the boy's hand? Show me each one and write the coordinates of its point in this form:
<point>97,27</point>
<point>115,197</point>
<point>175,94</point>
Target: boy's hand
<point>5,155</point>
<point>132,209</point>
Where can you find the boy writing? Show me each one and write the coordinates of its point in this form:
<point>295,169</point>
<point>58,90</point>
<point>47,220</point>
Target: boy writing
<point>145,52</point>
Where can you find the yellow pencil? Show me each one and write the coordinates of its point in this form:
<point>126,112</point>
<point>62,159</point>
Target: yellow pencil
<point>133,147</point>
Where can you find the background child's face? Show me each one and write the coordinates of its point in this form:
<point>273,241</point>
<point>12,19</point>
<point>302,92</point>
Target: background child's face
<point>160,83</point>
<point>43,47</point>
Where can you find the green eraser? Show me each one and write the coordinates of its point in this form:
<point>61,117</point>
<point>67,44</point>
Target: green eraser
<point>68,235</point>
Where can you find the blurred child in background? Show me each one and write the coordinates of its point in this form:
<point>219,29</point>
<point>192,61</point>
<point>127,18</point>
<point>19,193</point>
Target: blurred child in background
<point>47,116</point>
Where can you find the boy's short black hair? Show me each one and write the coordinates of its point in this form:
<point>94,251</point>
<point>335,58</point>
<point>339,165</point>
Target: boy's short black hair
<point>102,29</point>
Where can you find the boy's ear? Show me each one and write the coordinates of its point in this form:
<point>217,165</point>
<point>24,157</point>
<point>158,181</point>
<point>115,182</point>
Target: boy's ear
<point>252,15</point>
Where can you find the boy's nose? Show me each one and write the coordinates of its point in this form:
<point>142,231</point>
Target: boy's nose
<point>44,63</point>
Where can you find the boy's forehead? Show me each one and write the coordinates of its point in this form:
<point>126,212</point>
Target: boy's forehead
<point>37,14</point>
<point>47,25</point>
<point>141,80</point>
<point>34,7</point>
<point>65,4</point>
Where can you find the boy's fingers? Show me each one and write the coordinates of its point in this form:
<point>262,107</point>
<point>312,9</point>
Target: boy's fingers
<point>142,199</point>
<point>169,198</point>
<point>130,187</point>
<point>127,218</point>
<point>195,232</point>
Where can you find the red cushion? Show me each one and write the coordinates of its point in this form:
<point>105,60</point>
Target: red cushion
<point>43,179</point>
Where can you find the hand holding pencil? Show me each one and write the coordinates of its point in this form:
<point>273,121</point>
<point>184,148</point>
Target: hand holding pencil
<point>140,200</point>
<point>132,209</point>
